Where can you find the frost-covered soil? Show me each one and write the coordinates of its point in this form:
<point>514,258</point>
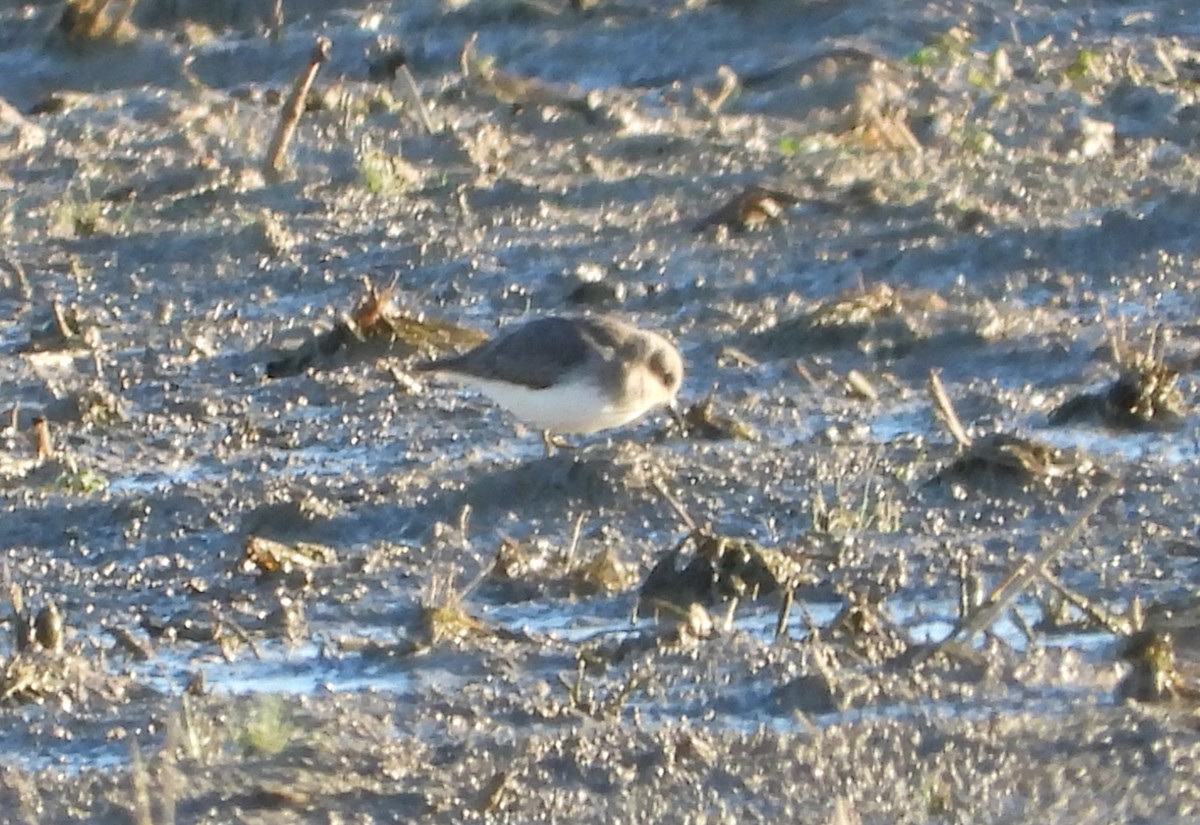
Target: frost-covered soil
<point>346,594</point>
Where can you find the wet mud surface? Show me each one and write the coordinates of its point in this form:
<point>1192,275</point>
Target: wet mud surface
<point>922,547</point>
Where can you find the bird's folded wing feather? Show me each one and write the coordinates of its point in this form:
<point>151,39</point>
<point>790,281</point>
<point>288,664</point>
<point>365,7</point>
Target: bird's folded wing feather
<point>536,355</point>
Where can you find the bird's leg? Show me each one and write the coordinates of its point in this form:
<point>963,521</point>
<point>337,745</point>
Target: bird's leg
<point>553,443</point>
<point>678,417</point>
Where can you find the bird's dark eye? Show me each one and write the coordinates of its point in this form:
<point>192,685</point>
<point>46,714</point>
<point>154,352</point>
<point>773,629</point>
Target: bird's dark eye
<point>661,366</point>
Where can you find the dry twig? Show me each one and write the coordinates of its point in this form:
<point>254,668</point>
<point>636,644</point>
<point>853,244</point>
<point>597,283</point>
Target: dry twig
<point>275,23</point>
<point>945,409</point>
<point>1117,625</point>
<point>409,85</point>
<point>65,330</point>
<point>861,386</point>
<point>43,448</point>
<point>274,164</point>
<point>677,506</point>
<point>18,272</point>
<point>1024,573</point>
<point>222,619</point>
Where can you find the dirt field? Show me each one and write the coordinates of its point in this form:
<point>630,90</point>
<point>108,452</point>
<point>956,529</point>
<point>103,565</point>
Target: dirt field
<point>921,549</point>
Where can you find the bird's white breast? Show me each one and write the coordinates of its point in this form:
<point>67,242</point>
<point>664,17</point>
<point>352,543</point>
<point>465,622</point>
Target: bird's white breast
<point>574,406</point>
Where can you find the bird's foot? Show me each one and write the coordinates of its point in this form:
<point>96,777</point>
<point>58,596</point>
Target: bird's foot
<point>554,442</point>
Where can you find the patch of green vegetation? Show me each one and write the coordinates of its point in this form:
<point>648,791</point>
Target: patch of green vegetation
<point>81,481</point>
<point>73,217</point>
<point>990,70</point>
<point>925,56</point>
<point>936,797</point>
<point>978,78</point>
<point>596,704</point>
<point>946,49</point>
<point>846,511</point>
<point>1084,66</point>
<point>386,174</point>
<point>977,140</point>
<point>266,729</point>
<point>197,736</point>
<point>810,144</point>
<point>382,101</point>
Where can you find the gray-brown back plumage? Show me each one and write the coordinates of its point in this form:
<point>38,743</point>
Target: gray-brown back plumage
<point>540,353</point>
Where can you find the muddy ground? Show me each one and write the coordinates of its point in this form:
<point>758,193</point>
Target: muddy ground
<point>258,572</point>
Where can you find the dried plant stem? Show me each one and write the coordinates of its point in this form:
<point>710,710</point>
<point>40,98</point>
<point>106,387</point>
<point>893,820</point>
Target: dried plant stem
<point>42,447</point>
<point>18,272</point>
<point>27,793</point>
<point>1117,625</point>
<point>275,24</point>
<point>946,411</point>
<point>729,84</point>
<point>494,794</point>
<point>60,321</point>
<point>1024,573</point>
<point>275,164</point>
<point>576,531</point>
<point>94,20</point>
<point>140,650</point>
<point>785,613</point>
<point>804,372</point>
<point>238,631</point>
<point>409,84</point>
<point>121,20</point>
<point>675,505</point>
<point>140,808</point>
<point>861,386</point>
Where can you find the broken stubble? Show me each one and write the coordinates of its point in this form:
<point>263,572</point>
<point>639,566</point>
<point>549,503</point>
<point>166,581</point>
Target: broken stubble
<point>43,447</point>
<point>408,85</point>
<point>945,410</point>
<point>275,164</point>
<point>275,23</point>
<point>1024,573</point>
<point>18,272</point>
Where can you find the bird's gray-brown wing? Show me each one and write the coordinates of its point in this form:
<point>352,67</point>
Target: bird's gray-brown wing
<point>537,354</point>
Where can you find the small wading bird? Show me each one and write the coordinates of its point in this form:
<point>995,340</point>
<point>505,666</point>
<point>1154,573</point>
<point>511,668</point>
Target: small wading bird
<point>571,374</point>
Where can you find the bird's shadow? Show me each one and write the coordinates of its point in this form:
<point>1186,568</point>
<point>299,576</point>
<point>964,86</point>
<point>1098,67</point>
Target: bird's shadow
<point>589,478</point>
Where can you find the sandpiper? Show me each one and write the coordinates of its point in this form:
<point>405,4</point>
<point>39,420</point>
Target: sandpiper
<point>571,374</point>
